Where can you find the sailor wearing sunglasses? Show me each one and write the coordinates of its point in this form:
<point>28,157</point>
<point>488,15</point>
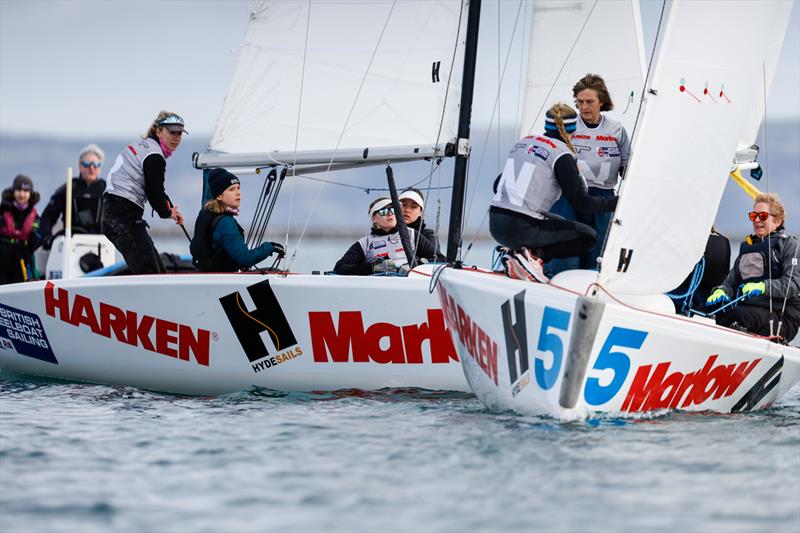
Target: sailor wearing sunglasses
<point>136,177</point>
<point>764,274</point>
<point>87,197</point>
<point>380,251</point>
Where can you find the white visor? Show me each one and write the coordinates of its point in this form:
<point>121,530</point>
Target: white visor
<point>413,196</point>
<point>380,204</point>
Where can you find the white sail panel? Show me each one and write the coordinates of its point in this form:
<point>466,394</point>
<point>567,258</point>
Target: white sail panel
<point>607,40</point>
<point>686,141</point>
<point>284,88</point>
<point>781,11</point>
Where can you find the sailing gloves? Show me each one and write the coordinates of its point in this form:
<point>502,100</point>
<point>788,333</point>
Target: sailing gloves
<point>718,296</point>
<point>387,266</point>
<point>751,290</point>
<point>277,248</point>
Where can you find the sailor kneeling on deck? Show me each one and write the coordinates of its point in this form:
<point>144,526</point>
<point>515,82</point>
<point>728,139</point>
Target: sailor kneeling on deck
<point>766,273</point>
<point>381,250</point>
<point>218,244</point>
<point>539,170</point>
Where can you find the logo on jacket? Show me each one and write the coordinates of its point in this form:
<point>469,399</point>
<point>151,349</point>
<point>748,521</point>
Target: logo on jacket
<point>538,151</point>
<point>608,151</point>
<point>267,316</point>
<point>374,245</point>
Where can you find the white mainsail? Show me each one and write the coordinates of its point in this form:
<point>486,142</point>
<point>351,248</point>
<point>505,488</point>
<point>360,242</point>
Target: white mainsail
<point>304,82</point>
<point>707,86</point>
<point>572,38</point>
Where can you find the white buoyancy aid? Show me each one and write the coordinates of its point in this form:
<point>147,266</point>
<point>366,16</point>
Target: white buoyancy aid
<point>601,151</point>
<point>126,177</point>
<point>528,184</point>
<point>389,247</point>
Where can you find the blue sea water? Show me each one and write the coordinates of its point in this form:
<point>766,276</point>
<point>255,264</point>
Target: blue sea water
<point>78,457</point>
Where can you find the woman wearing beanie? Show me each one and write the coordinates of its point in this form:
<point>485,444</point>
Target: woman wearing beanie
<point>136,177</point>
<point>412,205</point>
<point>19,231</point>
<point>539,170</point>
<point>381,250</point>
<point>603,148</point>
<point>218,244</point>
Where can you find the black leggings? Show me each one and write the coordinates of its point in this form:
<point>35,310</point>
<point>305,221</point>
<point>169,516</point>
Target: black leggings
<point>123,225</point>
<point>551,238</point>
<point>755,319</point>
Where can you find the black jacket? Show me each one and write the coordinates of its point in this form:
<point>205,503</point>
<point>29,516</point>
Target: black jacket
<point>87,201</point>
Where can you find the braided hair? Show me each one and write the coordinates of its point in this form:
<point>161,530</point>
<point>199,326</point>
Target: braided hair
<point>556,118</point>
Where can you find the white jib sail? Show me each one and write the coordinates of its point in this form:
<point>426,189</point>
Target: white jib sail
<point>572,38</point>
<point>706,82</point>
<point>288,93</point>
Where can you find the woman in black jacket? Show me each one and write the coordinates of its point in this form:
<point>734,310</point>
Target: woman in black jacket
<point>381,251</point>
<point>19,231</point>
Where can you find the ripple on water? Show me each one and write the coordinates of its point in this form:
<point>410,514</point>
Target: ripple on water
<point>95,458</point>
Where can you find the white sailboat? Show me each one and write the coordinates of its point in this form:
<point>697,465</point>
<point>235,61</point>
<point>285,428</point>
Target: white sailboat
<point>309,95</point>
<point>610,342</point>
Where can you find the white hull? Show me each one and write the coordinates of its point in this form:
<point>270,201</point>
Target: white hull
<point>516,341</point>
<point>201,334</point>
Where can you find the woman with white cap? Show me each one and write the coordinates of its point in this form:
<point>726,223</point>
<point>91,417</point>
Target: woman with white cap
<point>539,170</point>
<point>218,244</point>
<point>381,250</point>
<point>412,205</point>
<point>136,177</point>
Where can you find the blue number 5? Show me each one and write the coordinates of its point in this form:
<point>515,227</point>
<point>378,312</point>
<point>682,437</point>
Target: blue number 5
<point>596,394</point>
<point>550,342</point>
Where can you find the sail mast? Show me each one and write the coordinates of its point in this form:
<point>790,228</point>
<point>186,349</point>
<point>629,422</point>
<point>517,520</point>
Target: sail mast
<point>462,156</point>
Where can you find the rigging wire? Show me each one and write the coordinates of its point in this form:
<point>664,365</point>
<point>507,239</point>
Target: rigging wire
<point>437,167</point>
<point>344,129</point>
<point>297,127</point>
<point>766,160</point>
<point>563,65</point>
<point>495,108</point>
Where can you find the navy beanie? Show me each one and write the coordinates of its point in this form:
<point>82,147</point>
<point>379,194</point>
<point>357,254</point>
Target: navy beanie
<point>220,179</point>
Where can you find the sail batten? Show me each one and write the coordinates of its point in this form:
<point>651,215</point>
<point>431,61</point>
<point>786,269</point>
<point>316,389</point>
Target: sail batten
<point>704,90</point>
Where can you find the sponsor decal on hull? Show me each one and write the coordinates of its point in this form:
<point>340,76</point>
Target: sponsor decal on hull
<point>657,388</point>
<point>156,335</point>
<point>249,324</point>
<point>352,342</point>
<point>478,344</point>
<point>23,332</point>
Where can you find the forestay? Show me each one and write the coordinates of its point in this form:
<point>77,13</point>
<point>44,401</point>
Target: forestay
<point>570,39</point>
<point>706,82</point>
<point>305,65</point>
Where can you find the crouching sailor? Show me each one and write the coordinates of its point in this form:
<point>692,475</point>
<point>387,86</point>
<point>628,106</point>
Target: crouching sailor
<point>380,251</point>
<point>218,244</point>
<point>767,274</point>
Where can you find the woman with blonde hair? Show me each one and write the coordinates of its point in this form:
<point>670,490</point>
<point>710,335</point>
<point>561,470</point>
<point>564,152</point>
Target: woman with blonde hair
<point>765,274</point>
<point>218,244</point>
<point>539,170</point>
<point>136,177</point>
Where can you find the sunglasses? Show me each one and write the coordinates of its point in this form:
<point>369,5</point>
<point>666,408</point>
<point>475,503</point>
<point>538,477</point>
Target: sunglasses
<point>90,164</point>
<point>760,215</point>
<point>171,119</point>
<point>385,211</point>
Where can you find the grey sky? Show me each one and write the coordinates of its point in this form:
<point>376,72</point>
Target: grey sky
<point>87,68</point>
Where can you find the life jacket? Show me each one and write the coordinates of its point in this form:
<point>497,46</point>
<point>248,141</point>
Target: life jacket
<point>528,184</point>
<point>759,259</point>
<point>21,234</point>
<point>387,246</point>
<point>204,256</point>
